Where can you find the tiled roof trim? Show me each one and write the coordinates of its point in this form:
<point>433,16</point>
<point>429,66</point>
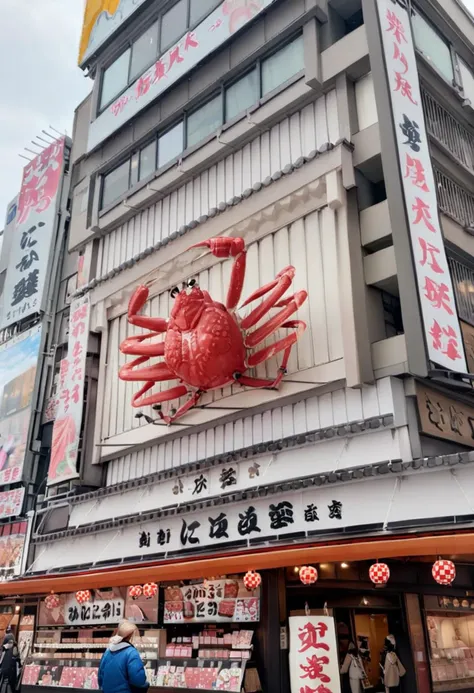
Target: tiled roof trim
<point>221,207</point>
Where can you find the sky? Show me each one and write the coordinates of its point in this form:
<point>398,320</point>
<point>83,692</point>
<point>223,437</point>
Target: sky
<point>41,83</point>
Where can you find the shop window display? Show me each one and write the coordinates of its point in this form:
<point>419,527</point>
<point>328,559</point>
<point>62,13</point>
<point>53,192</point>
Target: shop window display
<point>451,641</point>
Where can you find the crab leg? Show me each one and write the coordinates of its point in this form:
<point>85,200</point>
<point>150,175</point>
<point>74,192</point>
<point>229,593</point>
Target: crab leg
<point>293,303</point>
<point>135,305</point>
<point>279,285</point>
<point>158,397</point>
<point>155,373</point>
<point>134,346</point>
<point>229,247</point>
<point>191,402</point>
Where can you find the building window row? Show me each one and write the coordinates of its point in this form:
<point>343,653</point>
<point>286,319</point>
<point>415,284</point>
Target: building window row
<point>153,42</point>
<point>232,100</point>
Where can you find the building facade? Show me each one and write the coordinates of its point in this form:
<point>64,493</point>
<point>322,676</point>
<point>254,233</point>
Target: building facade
<point>336,138</point>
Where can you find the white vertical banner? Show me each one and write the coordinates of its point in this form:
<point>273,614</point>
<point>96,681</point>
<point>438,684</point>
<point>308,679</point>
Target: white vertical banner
<point>435,289</point>
<point>70,401</point>
<point>314,663</point>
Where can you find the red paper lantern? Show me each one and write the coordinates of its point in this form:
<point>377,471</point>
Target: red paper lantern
<point>379,573</point>
<point>150,590</point>
<point>135,591</point>
<point>83,596</point>
<point>308,574</point>
<point>252,580</point>
<point>52,601</point>
<point>444,572</point>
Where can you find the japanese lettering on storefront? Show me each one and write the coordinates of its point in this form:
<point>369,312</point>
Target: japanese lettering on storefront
<point>27,273</point>
<point>443,417</point>
<point>212,601</point>
<point>70,400</point>
<point>99,612</point>
<point>228,18</point>
<point>314,664</point>
<point>435,289</point>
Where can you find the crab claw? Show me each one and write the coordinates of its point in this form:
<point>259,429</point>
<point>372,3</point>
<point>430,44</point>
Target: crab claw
<point>222,246</point>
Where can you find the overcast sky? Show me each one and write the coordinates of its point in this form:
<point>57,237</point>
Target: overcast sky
<point>40,82</point>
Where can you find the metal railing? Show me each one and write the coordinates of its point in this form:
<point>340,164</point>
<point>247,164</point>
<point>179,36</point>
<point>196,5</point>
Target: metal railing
<point>463,281</point>
<point>448,131</point>
<point>454,200</point>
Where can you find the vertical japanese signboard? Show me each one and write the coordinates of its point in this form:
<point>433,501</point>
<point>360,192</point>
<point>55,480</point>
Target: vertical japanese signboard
<point>18,361</point>
<point>31,243</point>
<point>67,426</point>
<point>314,664</point>
<point>435,289</point>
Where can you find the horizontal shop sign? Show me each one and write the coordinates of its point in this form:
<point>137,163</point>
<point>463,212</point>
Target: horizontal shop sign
<point>445,417</point>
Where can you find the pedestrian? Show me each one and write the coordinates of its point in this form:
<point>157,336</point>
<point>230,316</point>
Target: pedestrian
<point>9,662</point>
<point>392,668</point>
<point>121,669</point>
<point>354,666</point>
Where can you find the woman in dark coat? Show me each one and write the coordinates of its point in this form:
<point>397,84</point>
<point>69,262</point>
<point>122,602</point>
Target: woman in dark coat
<point>9,661</point>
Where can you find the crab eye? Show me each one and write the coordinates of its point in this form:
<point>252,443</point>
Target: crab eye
<point>191,282</point>
<point>174,292</point>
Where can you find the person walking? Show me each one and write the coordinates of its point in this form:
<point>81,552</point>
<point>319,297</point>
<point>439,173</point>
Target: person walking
<point>121,669</point>
<point>9,662</point>
<point>354,666</point>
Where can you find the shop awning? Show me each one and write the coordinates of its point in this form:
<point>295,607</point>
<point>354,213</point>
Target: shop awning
<point>447,544</point>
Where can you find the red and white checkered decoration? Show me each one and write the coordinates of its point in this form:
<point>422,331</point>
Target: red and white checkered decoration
<point>83,596</point>
<point>252,580</point>
<point>135,591</point>
<point>379,573</point>
<point>308,575</point>
<point>52,601</point>
<point>150,590</point>
<point>444,572</point>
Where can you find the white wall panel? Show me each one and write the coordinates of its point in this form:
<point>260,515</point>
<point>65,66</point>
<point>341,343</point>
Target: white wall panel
<point>334,408</point>
<point>365,102</point>
<point>271,151</point>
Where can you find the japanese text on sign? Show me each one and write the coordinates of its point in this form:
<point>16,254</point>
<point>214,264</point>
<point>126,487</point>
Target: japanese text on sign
<point>212,601</point>
<point>435,289</point>
<point>98,612</point>
<point>314,664</point>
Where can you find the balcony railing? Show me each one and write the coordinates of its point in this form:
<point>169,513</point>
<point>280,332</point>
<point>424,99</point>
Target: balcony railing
<point>463,281</point>
<point>453,200</point>
<point>448,131</point>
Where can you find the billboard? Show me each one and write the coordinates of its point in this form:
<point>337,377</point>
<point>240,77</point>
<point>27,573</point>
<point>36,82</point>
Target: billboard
<point>13,541</point>
<point>226,20</point>
<point>101,19</point>
<point>70,400</point>
<point>32,236</point>
<point>18,361</point>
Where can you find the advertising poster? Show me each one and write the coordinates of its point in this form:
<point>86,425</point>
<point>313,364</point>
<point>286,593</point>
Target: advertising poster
<point>13,538</point>
<point>314,664</point>
<point>212,601</point>
<point>67,425</point>
<point>18,361</point>
<point>31,242</point>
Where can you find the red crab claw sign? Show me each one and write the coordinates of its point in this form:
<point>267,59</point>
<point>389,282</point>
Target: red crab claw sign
<point>206,344</point>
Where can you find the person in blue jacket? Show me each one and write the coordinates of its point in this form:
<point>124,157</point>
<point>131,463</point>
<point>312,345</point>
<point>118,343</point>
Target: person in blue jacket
<point>121,669</point>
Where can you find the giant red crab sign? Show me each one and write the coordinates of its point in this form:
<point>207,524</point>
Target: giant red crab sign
<point>207,345</point>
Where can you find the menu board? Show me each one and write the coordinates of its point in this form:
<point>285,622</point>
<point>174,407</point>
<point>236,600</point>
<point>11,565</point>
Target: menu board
<point>212,601</point>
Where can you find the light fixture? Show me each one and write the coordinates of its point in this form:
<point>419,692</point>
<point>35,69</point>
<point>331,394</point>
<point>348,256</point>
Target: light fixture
<point>344,565</point>
<point>296,569</point>
<point>324,566</point>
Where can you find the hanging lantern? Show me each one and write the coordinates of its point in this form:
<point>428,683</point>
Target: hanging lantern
<point>379,573</point>
<point>135,591</point>
<point>52,601</point>
<point>308,575</point>
<point>150,590</point>
<point>83,596</point>
<point>444,572</point>
<point>252,580</point>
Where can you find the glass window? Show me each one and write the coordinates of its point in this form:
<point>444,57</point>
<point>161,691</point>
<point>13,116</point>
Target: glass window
<point>170,145</point>
<point>134,169</point>
<point>148,160</point>
<point>241,95</point>
<point>204,121</point>
<point>200,9</point>
<point>115,79</point>
<point>433,47</point>
<point>115,183</point>
<point>467,78</point>
<point>173,24</point>
<point>144,51</point>
<point>281,66</point>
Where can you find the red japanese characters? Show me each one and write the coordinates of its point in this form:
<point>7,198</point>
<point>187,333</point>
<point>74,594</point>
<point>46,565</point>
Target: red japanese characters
<point>206,344</point>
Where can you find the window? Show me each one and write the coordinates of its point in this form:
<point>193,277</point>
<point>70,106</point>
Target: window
<point>171,144</point>
<point>200,9</point>
<point>204,121</point>
<point>241,95</point>
<point>135,163</point>
<point>173,24</point>
<point>115,183</point>
<point>115,79</point>
<point>467,78</point>
<point>148,160</point>
<point>433,47</point>
<point>281,66</point>
<point>144,51</point>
